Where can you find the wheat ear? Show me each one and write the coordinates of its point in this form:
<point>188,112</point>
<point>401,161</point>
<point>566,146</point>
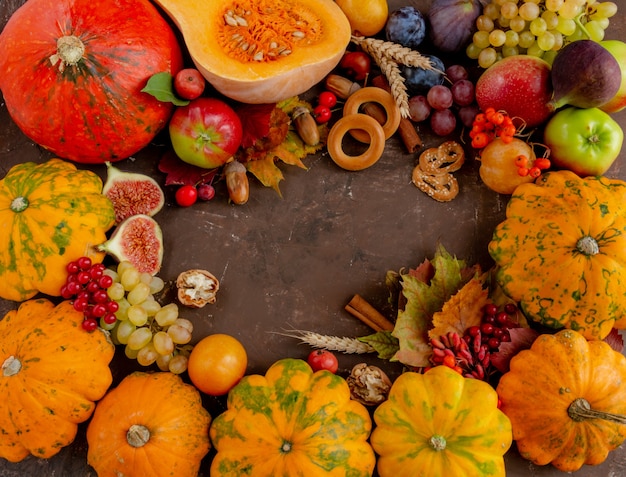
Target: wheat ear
<point>330,343</point>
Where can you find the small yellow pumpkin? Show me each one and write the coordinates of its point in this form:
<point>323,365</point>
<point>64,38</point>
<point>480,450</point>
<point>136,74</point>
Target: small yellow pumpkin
<point>52,373</point>
<point>262,51</point>
<point>50,214</point>
<point>566,399</point>
<point>440,424</point>
<point>151,424</point>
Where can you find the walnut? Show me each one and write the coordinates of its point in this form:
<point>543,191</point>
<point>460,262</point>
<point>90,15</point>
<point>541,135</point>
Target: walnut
<point>196,288</point>
<point>368,384</point>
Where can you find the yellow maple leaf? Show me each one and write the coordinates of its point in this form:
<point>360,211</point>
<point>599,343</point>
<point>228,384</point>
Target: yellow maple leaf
<point>462,310</point>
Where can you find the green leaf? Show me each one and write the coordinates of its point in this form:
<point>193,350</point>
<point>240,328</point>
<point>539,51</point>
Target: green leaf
<point>383,342</point>
<point>161,86</point>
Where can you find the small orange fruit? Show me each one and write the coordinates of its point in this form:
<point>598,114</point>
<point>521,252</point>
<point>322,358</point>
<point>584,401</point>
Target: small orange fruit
<point>366,17</point>
<point>216,363</point>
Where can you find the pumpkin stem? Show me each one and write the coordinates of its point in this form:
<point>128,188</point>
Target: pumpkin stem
<point>19,204</point>
<point>580,410</point>
<point>138,435</point>
<point>70,50</point>
<point>587,246</point>
<point>438,443</point>
<point>11,366</point>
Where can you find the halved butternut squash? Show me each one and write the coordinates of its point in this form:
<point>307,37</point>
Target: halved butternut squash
<point>261,51</point>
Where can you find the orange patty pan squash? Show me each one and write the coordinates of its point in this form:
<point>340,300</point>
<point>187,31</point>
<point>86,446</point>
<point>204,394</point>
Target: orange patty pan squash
<point>566,399</point>
<point>53,371</point>
<point>440,424</point>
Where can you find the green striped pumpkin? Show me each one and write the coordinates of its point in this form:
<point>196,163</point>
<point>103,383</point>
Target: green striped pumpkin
<point>50,214</point>
<point>561,252</point>
<point>292,422</point>
<point>441,424</point>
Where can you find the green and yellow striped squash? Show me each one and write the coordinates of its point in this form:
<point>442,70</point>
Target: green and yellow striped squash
<point>52,373</point>
<point>292,422</point>
<point>50,214</point>
<point>561,252</point>
<point>440,424</point>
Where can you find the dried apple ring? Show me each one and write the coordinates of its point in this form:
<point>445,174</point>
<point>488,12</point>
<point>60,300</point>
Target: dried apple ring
<point>366,124</point>
<point>372,94</point>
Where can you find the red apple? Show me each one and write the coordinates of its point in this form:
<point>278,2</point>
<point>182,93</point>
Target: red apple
<point>189,83</point>
<point>618,50</point>
<point>206,132</point>
<point>519,85</point>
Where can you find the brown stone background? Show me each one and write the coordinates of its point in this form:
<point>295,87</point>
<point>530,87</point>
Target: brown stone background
<point>294,262</point>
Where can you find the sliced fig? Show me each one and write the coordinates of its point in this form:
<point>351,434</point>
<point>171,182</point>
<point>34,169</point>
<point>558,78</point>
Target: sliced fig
<point>132,193</point>
<point>585,75</point>
<point>139,240</point>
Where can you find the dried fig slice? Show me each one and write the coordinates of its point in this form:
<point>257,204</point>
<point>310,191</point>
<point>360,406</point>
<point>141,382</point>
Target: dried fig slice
<point>139,240</point>
<point>132,193</point>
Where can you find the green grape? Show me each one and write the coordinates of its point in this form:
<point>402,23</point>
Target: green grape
<point>188,325</point>
<point>138,294</point>
<point>145,277</point>
<point>129,278</point>
<point>566,26</point>
<point>123,331</point>
<point>179,334</point>
<point>534,1</point>
<point>163,362</point>
<point>569,10</point>
<point>526,39</point>
<point>604,10</point>
<point>151,306</point>
<point>553,5</point>
<point>163,343</point>
<point>137,315</point>
<point>551,19</point>
<point>510,51</point>
<point>167,315</point>
<point>472,51</point>
<point>112,273</point>
<point>147,355</point>
<point>535,50</point>
<point>497,38</point>
<point>130,353</point>
<point>538,26</point>
<point>123,266</point>
<point>481,39</point>
<point>503,22</point>
<point>546,41</point>
<point>156,285</point>
<point>492,11</point>
<point>529,11</point>
<point>558,40</point>
<point>549,56</point>
<point>508,10</point>
<point>517,24</point>
<point>116,291</point>
<point>595,30</point>
<point>139,338</point>
<point>178,364</point>
<point>122,312</point>
<point>512,38</point>
<point>484,23</point>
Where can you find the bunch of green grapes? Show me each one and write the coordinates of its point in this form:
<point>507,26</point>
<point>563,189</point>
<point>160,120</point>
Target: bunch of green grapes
<point>150,333</point>
<point>536,27</point>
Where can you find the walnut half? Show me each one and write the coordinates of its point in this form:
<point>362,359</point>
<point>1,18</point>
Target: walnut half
<point>196,288</point>
<point>368,384</point>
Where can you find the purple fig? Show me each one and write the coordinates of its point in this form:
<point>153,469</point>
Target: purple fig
<point>585,75</point>
<point>452,23</point>
<point>132,193</point>
<point>138,240</point>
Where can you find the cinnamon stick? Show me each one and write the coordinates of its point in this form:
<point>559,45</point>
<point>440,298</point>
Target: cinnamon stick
<point>411,139</point>
<point>361,309</point>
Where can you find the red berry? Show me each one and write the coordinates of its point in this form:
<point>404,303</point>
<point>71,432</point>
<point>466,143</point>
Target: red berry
<point>322,114</point>
<point>84,263</point>
<point>473,330</point>
<point>83,277</point>
<point>66,294</point>
<point>80,304</point>
<point>186,195</point>
<point>494,343</point>
<point>72,267</point>
<point>73,288</point>
<point>90,324</point>
<point>206,192</point>
<point>189,83</point>
<point>486,328</point>
<point>92,287</point>
<point>109,318</point>
<point>98,310</point>
<point>502,317</point>
<point>327,98</point>
<point>100,296</point>
<point>490,309</point>
<point>105,281</point>
<point>510,308</point>
<point>112,306</point>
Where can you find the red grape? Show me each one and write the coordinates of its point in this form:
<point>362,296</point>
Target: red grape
<point>463,92</point>
<point>456,73</point>
<point>439,97</point>
<point>467,114</point>
<point>442,122</point>
<point>419,109</point>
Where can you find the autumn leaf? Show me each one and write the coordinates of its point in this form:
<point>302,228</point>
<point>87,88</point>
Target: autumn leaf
<point>385,345</point>
<point>521,339</point>
<point>180,173</point>
<point>423,300</point>
<point>462,310</point>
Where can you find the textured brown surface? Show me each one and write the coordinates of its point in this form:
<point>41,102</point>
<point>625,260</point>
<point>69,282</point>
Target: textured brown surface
<point>293,263</point>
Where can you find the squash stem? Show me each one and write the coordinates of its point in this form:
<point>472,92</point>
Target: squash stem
<point>19,204</point>
<point>587,245</point>
<point>438,443</point>
<point>138,435</point>
<point>11,366</point>
<point>580,410</point>
<point>70,50</point>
